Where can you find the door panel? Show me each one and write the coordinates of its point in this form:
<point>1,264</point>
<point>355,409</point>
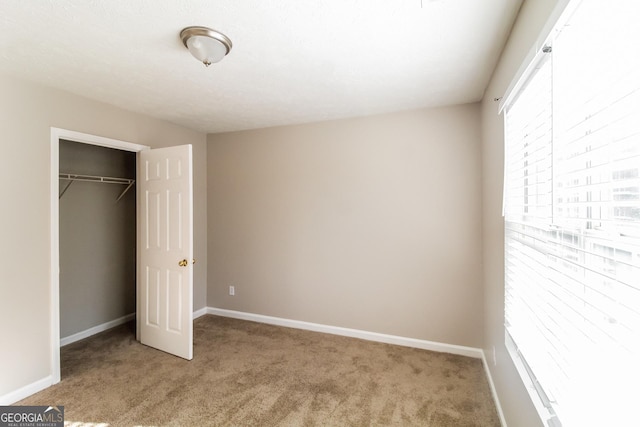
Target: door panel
<point>165,285</point>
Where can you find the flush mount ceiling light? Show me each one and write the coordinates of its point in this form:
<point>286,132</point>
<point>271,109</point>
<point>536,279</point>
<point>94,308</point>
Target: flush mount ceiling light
<point>206,45</point>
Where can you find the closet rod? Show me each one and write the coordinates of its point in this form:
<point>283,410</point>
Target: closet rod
<point>71,177</point>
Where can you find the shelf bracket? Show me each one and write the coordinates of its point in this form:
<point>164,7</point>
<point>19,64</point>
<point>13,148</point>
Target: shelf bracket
<point>65,189</point>
<point>125,191</point>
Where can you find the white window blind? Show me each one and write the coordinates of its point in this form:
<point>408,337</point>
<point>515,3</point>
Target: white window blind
<point>572,219</point>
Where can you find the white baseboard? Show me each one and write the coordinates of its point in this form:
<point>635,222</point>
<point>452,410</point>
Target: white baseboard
<point>494,393</point>
<point>199,313</point>
<point>96,329</point>
<point>26,391</point>
<point>353,333</point>
<point>112,324</point>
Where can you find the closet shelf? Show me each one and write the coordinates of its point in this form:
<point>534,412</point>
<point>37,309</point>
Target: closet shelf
<point>71,177</point>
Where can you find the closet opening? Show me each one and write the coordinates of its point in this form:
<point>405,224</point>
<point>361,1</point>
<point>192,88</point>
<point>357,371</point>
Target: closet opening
<point>97,227</point>
<point>93,238</point>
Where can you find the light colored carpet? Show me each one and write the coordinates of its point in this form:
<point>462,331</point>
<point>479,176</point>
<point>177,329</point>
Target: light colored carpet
<point>251,374</point>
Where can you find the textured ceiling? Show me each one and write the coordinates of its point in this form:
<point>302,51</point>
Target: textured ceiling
<point>293,61</point>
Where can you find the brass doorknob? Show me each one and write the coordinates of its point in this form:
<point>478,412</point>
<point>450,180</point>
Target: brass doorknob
<point>183,263</point>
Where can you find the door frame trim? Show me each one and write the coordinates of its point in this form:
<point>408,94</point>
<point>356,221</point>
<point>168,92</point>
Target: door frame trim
<point>54,271</point>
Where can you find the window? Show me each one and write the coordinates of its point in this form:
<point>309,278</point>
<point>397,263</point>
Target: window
<point>572,219</point>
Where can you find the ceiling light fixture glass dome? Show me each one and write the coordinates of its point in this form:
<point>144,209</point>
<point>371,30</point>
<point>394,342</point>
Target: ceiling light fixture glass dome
<point>206,45</point>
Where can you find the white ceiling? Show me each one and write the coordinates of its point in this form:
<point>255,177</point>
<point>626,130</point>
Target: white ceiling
<point>293,61</point>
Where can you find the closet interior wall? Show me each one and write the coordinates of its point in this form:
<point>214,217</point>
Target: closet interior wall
<point>97,238</point>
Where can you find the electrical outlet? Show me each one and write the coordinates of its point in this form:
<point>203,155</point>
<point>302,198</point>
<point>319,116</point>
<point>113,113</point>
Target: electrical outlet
<point>232,291</point>
<point>495,361</point>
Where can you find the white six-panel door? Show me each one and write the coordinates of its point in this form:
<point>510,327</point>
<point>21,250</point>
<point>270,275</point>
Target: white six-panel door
<point>165,245</point>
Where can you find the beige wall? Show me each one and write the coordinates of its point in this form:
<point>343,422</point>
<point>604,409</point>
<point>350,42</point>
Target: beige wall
<point>27,111</point>
<point>513,396</point>
<point>370,223</point>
